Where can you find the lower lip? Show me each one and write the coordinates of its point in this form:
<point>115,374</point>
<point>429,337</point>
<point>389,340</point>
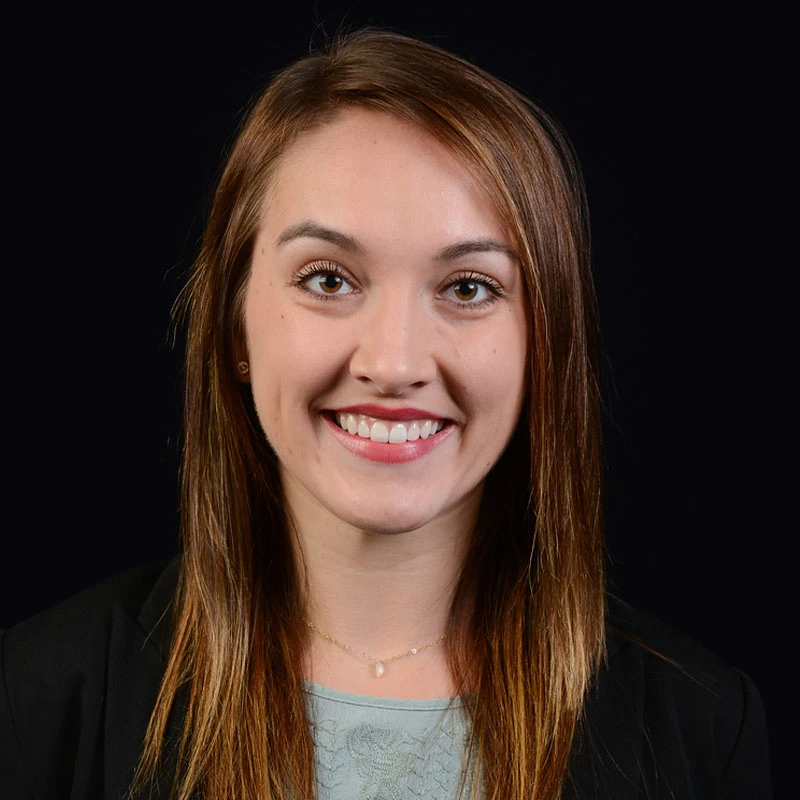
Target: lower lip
<point>384,452</point>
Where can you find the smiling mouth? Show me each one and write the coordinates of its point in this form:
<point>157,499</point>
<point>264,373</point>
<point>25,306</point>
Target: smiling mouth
<point>387,431</point>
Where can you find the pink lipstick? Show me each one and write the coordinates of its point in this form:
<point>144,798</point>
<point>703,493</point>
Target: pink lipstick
<point>367,431</point>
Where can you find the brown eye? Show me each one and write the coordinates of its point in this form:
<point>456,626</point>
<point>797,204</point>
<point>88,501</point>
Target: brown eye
<point>473,291</point>
<point>465,290</point>
<point>324,280</point>
<point>330,283</point>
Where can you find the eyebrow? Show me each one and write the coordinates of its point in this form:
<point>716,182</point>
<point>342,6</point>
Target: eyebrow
<point>314,230</point>
<point>456,251</point>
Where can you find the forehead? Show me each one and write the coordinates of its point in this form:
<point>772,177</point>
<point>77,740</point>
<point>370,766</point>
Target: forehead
<point>367,168</point>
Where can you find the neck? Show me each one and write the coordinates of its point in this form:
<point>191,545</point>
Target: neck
<point>381,594</point>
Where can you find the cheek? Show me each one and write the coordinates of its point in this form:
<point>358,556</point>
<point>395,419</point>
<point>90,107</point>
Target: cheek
<point>292,363</point>
<point>493,372</point>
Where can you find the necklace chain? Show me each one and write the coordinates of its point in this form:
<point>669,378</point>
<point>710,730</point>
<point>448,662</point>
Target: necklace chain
<point>379,664</point>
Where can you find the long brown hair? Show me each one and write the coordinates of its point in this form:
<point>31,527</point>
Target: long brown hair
<point>527,620</point>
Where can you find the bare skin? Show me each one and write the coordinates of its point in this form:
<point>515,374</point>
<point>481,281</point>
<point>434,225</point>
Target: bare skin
<point>381,594</point>
<point>382,281</point>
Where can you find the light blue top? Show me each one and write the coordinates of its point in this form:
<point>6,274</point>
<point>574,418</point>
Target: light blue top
<point>373,748</point>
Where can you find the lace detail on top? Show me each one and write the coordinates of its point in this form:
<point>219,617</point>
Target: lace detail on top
<point>373,748</point>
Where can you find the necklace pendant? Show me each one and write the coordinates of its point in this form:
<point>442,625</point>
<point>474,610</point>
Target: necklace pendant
<point>379,669</point>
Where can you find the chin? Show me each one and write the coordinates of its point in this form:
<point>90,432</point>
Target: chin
<point>401,518</point>
<point>388,526</point>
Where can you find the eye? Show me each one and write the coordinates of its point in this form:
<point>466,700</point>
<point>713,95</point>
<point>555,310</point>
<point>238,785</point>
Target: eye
<point>473,290</point>
<point>467,290</point>
<point>329,283</point>
<point>324,279</point>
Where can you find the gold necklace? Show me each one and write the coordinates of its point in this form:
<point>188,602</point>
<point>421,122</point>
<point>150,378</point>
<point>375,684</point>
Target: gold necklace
<point>378,664</point>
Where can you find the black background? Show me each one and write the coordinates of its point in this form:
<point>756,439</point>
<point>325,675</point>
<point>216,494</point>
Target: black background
<point>116,122</point>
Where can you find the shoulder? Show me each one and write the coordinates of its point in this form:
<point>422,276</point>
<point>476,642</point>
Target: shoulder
<point>669,660</point>
<point>88,611</point>
<point>678,674</point>
<point>673,718</point>
<point>73,636</point>
<point>67,674</point>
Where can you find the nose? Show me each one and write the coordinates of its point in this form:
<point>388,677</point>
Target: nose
<point>395,352</point>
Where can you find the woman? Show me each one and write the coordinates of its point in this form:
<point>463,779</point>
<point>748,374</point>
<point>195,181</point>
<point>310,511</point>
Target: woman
<point>392,579</point>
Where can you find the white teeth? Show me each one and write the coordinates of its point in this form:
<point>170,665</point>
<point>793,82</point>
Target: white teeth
<point>398,434</point>
<point>385,431</point>
<point>379,433</point>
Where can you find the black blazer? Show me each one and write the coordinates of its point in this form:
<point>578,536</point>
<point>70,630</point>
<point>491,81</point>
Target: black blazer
<point>79,682</point>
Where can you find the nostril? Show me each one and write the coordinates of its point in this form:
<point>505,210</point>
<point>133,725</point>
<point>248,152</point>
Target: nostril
<point>393,376</point>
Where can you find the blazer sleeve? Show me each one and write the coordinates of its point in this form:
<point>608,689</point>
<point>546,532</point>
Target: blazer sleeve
<point>13,780</point>
<point>51,715</point>
<point>668,720</point>
<point>77,683</point>
<point>747,773</point>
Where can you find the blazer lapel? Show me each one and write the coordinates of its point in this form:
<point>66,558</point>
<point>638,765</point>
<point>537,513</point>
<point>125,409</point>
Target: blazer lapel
<point>138,649</point>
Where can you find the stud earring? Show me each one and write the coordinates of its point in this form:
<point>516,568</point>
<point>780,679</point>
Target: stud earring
<point>243,368</point>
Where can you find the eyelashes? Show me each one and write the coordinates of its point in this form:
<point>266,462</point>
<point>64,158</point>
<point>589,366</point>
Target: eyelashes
<point>327,280</point>
<point>324,280</point>
<point>473,289</point>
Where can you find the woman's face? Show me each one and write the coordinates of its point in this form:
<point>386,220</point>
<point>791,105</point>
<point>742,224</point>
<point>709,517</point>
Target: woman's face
<point>386,327</point>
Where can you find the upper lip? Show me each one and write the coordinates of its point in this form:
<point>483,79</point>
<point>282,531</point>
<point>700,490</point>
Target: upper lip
<point>382,412</point>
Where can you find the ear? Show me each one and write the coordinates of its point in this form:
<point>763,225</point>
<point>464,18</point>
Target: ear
<point>238,344</point>
<point>243,370</point>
